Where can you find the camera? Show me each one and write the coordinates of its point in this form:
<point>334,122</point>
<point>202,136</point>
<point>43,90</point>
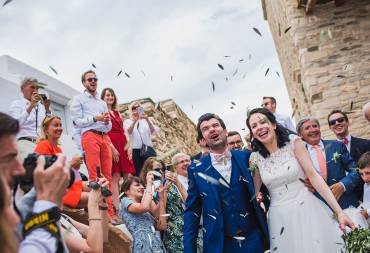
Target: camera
<point>26,182</point>
<point>95,186</point>
<point>43,97</point>
<point>140,110</point>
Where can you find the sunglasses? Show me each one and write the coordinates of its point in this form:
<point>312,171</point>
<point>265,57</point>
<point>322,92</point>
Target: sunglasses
<point>334,121</point>
<point>135,107</point>
<point>159,169</point>
<point>92,79</point>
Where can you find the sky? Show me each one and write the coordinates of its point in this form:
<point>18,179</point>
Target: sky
<point>152,40</point>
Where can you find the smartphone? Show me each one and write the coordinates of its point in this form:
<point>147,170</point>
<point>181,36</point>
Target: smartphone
<point>140,110</point>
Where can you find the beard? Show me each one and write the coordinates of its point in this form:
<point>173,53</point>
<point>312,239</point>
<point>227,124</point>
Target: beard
<point>218,145</point>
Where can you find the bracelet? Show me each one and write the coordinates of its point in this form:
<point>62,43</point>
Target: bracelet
<point>92,219</point>
<point>103,208</point>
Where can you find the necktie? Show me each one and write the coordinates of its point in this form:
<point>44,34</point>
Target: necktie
<point>345,141</point>
<point>321,160</point>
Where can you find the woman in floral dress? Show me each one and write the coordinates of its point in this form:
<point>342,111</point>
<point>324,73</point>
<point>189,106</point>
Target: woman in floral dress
<point>176,191</point>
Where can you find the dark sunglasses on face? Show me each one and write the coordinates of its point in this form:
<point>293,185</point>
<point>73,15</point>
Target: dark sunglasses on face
<point>334,121</point>
<point>159,169</point>
<point>92,79</point>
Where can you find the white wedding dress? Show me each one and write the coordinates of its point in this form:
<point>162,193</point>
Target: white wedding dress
<point>298,222</point>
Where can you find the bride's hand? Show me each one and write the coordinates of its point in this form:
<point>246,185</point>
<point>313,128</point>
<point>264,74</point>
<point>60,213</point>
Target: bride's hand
<point>344,221</point>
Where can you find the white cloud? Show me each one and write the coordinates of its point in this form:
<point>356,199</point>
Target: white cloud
<point>185,39</point>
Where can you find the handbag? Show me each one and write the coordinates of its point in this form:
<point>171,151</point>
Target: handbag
<point>145,150</point>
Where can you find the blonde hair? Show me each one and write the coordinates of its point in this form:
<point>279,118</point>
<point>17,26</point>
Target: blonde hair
<point>45,125</point>
<point>177,156</point>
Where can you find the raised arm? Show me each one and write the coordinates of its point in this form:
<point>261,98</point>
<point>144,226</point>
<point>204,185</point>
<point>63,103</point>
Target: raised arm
<point>318,182</point>
<point>146,202</point>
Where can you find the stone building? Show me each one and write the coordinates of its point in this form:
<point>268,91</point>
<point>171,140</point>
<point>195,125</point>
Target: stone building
<point>177,132</point>
<point>324,50</point>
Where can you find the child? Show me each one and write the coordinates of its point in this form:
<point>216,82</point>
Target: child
<point>364,166</point>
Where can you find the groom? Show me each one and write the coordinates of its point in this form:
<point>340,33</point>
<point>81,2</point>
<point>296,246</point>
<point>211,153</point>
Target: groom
<point>221,189</point>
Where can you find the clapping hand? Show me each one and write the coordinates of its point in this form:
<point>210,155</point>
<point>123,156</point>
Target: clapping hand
<point>76,162</point>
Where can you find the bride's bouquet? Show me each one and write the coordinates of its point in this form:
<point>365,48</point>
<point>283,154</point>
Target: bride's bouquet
<point>357,241</point>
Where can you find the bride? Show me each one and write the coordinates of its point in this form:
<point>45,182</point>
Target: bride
<point>297,220</point>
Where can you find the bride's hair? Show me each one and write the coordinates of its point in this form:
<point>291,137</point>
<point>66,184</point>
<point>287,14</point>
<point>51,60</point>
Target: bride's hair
<point>282,134</point>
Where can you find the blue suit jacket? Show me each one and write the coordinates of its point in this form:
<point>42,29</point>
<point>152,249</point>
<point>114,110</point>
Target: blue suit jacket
<point>336,171</point>
<point>204,196</point>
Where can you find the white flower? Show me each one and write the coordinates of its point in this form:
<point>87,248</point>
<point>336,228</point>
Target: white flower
<point>336,156</point>
<point>253,168</point>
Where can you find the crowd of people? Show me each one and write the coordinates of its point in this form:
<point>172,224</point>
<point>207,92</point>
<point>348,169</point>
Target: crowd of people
<point>279,191</point>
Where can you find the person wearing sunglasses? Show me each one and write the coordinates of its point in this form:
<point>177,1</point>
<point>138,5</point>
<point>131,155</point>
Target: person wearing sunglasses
<point>332,161</point>
<point>140,130</point>
<point>90,114</point>
<point>339,125</point>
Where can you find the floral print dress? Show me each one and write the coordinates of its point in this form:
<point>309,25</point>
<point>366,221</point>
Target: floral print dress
<point>173,236</point>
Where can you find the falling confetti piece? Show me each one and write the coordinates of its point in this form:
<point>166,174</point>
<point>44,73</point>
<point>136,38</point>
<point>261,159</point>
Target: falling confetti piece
<point>165,215</point>
<point>233,103</point>
<point>93,65</point>
<point>287,29</point>
<point>277,73</point>
<point>281,230</point>
<point>208,178</point>
<point>128,76</point>
<point>53,69</point>
<point>6,2</point>
<point>235,72</point>
<point>322,33</point>
<point>212,216</point>
<point>220,66</point>
<point>223,182</point>
<point>213,86</point>
<point>257,31</point>
<point>267,71</point>
<point>119,73</point>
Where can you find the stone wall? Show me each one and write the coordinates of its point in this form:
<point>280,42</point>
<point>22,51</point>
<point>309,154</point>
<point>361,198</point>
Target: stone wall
<point>325,57</point>
<point>177,132</point>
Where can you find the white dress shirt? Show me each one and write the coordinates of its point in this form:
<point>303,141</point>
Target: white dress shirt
<point>314,159</point>
<point>27,121</point>
<point>224,168</point>
<point>285,121</point>
<point>348,146</point>
<point>183,181</point>
<point>139,134</point>
<point>84,108</point>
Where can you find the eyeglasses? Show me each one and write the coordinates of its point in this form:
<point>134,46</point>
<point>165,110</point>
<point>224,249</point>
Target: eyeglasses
<point>92,79</point>
<point>334,121</point>
<point>183,161</point>
<point>135,107</point>
<point>233,143</point>
<point>159,169</point>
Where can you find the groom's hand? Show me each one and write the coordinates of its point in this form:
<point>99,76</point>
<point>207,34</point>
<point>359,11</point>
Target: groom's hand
<point>308,184</point>
<point>337,190</point>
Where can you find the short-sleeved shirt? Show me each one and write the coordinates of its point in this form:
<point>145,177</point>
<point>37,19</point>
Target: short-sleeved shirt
<point>140,134</point>
<point>44,147</point>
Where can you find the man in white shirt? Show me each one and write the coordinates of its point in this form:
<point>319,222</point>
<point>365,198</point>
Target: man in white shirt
<point>30,111</point>
<point>91,117</point>
<point>270,104</point>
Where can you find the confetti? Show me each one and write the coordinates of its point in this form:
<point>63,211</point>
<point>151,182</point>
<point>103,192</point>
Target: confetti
<point>212,216</point>
<point>165,215</point>
<point>208,178</point>
<point>220,66</point>
<point>257,31</point>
